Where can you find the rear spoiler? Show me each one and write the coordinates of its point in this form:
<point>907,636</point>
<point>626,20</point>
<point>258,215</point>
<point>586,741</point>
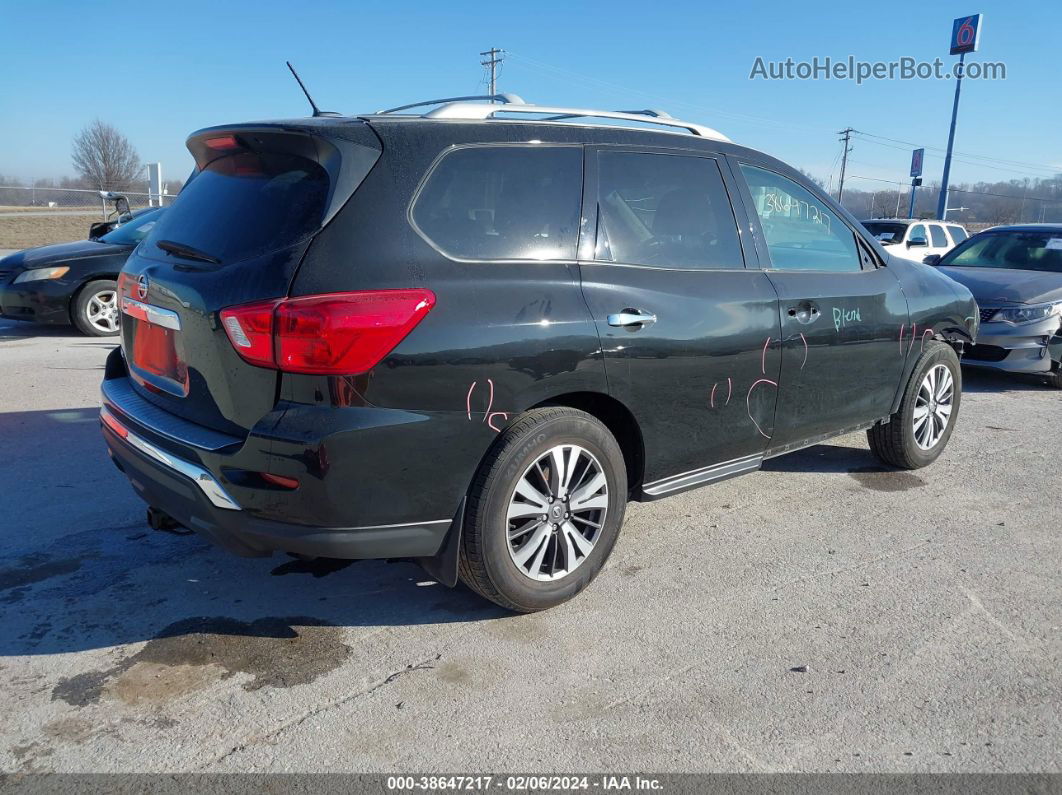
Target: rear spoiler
<point>346,150</point>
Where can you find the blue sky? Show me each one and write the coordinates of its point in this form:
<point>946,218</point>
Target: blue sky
<point>161,70</point>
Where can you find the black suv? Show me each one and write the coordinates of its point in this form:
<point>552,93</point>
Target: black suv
<point>469,337</point>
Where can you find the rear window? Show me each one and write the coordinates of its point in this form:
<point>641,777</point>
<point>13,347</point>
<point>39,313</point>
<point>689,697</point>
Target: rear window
<point>886,233</point>
<point>246,204</point>
<point>958,234</point>
<point>503,203</point>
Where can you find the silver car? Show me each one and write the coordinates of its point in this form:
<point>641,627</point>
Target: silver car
<point>1015,274</point>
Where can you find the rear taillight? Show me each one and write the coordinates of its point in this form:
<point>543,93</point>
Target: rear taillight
<point>250,330</point>
<point>333,334</point>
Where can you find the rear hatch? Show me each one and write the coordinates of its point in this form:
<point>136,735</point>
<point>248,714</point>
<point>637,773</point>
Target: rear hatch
<point>235,235</point>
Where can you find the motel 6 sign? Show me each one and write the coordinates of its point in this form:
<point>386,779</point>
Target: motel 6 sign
<point>966,34</point>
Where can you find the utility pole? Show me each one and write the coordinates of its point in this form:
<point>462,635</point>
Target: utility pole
<point>847,133</point>
<point>494,58</point>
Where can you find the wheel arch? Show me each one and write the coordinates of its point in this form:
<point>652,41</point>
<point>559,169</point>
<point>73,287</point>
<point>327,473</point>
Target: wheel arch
<point>620,422</point>
<point>85,282</point>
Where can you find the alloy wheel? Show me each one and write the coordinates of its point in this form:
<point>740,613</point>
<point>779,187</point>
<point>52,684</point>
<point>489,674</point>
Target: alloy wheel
<point>556,513</point>
<point>933,406</point>
<point>102,311</point>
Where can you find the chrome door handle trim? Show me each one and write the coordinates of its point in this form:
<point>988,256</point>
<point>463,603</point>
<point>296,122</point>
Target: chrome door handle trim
<point>621,319</point>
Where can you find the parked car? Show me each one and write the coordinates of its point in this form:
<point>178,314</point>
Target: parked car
<point>470,340</point>
<point>1015,274</point>
<point>72,282</point>
<point>915,239</point>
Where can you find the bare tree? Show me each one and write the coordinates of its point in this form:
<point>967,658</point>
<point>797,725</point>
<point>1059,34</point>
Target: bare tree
<point>105,158</point>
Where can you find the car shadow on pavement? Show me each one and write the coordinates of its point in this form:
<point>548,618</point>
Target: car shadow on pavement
<point>80,569</point>
<point>825,458</point>
<point>17,329</point>
<point>976,379</point>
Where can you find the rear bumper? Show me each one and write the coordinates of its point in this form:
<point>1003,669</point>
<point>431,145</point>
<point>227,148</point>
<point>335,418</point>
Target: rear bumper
<point>1029,348</point>
<point>194,497</point>
<point>361,490</point>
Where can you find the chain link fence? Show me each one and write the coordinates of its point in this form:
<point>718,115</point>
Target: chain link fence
<point>40,216</point>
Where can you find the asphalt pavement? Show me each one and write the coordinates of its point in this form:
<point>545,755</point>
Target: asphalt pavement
<point>825,614</point>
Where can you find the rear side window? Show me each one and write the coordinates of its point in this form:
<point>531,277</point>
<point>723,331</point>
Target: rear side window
<point>503,203</point>
<point>936,234</point>
<point>801,232</point>
<point>247,204</point>
<point>670,211</point>
<point>958,234</point>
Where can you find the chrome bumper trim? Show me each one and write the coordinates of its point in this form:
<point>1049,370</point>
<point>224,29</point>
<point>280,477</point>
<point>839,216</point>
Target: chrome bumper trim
<point>152,314</point>
<point>203,479</point>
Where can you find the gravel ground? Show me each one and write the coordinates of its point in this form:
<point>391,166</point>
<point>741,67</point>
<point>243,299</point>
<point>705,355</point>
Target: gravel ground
<point>821,615</point>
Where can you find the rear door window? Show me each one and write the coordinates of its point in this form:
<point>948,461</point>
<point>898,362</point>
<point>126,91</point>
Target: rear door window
<point>245,205</point>
<point>664,210</point>
<point>937,236</point>
<point>502,203</point>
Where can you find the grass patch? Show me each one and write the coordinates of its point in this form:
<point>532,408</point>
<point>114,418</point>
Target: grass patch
<point>25,230</point>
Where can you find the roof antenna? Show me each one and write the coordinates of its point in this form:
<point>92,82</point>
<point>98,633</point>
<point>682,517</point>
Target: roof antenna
<point>316,110</point>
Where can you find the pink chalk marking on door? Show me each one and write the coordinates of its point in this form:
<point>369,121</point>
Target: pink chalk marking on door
<point>922,346</point>
<point>914,333</point>
<point>902,327</point>
<point>468,401</point>
<point>490,419</point>
<point>729,390</point>
<point>802,339</point>
<point>763,357</point>
<point>748,402</point>
<point>490,402</point>
<point>711,400</point>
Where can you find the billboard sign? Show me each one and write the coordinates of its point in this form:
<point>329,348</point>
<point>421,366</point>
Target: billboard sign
<point>966,34</point>
<point>916,162</point>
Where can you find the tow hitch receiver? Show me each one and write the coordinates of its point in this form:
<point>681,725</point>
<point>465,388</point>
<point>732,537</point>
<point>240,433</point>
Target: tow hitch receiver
<point>160,520</point>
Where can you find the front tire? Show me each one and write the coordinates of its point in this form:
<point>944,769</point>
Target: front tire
<point>918,432</point>
<point>544,510</point>
<point>96,309</point>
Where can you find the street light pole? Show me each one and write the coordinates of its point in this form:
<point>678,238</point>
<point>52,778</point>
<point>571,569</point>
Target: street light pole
<point>942,201</point>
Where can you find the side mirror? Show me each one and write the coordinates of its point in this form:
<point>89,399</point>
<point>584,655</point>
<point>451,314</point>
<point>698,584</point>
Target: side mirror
<point>932,259</point>
<point>917,241</point>
<point>121,206</point>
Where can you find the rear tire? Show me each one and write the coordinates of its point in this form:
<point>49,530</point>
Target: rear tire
<point>1055,379</point>
<point>95,310</point>
<point>909,444</point>
<point>558,463</point>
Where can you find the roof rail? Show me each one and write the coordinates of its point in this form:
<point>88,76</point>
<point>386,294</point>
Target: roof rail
<point>460,109</point>
<point>507,99</point>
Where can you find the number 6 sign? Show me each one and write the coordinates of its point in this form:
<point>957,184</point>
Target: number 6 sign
<point>966,34</point>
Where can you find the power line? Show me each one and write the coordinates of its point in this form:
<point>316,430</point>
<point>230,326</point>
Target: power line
<point>961,190</point>
<point>1056,168</point>
<point>569,77</point>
